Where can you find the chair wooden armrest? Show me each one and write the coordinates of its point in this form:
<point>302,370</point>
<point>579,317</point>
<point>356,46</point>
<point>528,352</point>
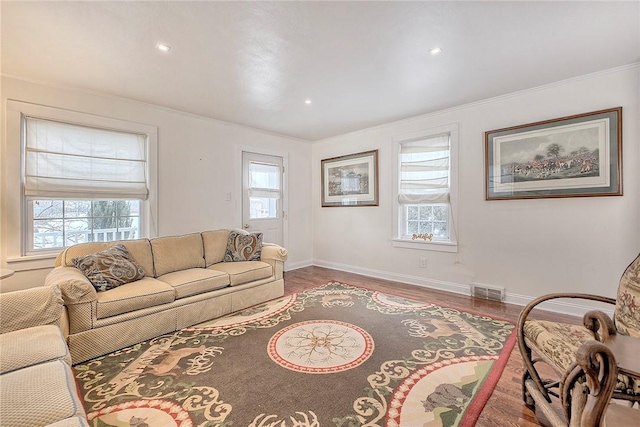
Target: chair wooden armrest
<point>600,324</point>
<point>600,369</point>
<point>586,392</point>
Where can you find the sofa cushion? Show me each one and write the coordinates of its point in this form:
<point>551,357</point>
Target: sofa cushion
<point>31,346</point>
<point>109,268</point>
<point>241,272</point>
<point>243,247</point>
<point>195,281</point>
<point>39,395</point>
<point>139,249</point>
<point>177,253</point>
<point>144,293</point>
<point>215,245</point>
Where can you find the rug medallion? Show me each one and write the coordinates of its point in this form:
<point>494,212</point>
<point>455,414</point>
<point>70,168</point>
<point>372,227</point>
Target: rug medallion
<point>335,355</point>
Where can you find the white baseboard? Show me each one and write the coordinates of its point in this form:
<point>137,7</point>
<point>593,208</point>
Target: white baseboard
<point>396,277</point>
<point>558,306</point>
<point>288,266</point>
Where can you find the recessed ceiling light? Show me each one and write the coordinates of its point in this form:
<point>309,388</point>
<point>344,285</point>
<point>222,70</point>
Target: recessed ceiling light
<point>307,101</point>
<point>163,47</point>
<point>435,51</point>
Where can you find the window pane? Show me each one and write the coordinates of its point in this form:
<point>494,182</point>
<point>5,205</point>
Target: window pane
<point>128,228</point>
<point>412,227</point>
<point>425,212</point>
<point>263,207</point>
<point>47,209</point>
<point>77,208</point>
<point>76,231</point>
<point>425,227</point>
<point>440,213</point>
<point>134,207</point>
<point>412,213</point>
<point>440,229</point>
<point>47,234</point>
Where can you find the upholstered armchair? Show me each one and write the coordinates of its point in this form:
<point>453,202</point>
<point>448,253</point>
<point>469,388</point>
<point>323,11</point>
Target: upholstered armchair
<point>556,344</point>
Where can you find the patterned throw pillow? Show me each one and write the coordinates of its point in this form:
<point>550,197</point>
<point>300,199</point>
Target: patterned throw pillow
<point>243,247</point>
<point>110,268</point>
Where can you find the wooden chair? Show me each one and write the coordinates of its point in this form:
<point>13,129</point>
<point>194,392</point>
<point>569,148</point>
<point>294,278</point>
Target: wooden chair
<point>556,344</point>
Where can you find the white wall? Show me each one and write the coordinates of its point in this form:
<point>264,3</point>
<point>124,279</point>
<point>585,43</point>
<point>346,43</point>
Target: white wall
<point>531,247</point>
<point>197,166</point>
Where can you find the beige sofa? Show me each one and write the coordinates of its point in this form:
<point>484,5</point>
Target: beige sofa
<point>37,386</point>
<point>185,282</point>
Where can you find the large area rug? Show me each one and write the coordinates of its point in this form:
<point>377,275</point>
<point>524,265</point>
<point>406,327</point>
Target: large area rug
<point>335,355</point>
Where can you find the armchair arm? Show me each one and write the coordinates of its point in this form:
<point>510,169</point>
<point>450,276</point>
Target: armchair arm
<point>30,307</point>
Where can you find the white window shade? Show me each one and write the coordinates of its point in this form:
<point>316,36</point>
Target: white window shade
<point>264,180</point>
<point>424,171</point>
<point>69,161</point>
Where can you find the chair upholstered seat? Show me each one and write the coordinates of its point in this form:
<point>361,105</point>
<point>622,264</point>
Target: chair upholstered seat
<point>557,343</point>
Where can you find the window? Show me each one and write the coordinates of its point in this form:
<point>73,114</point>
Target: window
<point>264,190</point>
<point>426,190</point>
<point>77,181</point>
<point>60,223</point>
<point>82,178</point>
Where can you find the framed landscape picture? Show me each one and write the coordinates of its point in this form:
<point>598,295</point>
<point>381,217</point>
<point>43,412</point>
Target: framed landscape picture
<point>350,180</point>
<point>574,156</point>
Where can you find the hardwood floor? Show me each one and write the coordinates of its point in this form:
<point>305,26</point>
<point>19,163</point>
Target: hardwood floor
<point>505,407</point>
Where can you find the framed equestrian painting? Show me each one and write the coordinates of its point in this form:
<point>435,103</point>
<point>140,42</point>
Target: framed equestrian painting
<point>350,180</point>
<point>574,156</point>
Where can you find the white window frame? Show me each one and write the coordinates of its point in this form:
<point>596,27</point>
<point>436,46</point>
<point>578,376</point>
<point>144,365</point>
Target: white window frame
<point>30,250</point>
<point>17,228</point>
<point>398,239</point>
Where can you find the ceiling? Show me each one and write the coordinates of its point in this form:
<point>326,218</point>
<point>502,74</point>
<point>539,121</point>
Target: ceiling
<point>360,63</point>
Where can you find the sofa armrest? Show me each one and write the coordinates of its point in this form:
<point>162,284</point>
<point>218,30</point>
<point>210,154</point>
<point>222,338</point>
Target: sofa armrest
<point>274,252</point>
<point>74,285</point>
<point>30,307</point>
<point>79,295</point>
<point>274,255</point>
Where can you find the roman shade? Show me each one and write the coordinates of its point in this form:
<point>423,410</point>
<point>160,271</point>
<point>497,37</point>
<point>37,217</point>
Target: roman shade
<point>69,161</point>
<point>264,180</point>
<point>424,170</point>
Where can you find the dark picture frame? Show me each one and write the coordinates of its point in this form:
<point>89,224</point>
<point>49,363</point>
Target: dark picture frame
<point>573,156</point>
<point>350,180</point>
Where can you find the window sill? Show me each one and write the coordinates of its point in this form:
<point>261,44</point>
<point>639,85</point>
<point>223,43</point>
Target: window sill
<point>32,262</point>
<point>442,246</point>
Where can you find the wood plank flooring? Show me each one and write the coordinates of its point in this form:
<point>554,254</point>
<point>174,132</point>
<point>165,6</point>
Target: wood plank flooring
<point>505,407</point>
